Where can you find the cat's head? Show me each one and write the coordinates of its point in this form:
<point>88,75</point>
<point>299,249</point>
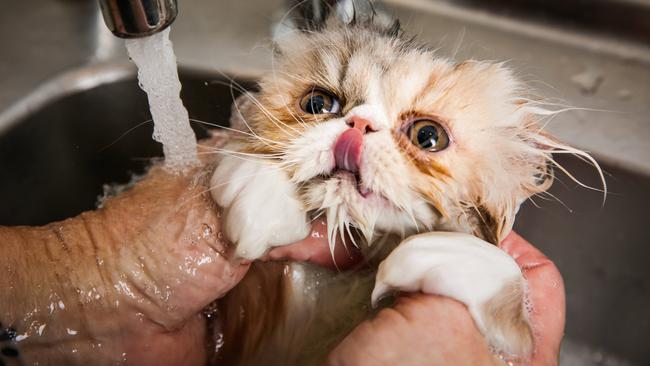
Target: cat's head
<point>380,133</point>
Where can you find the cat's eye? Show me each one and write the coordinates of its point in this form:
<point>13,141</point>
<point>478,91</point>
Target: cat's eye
<point>320,102</point>
<point>428,135</point>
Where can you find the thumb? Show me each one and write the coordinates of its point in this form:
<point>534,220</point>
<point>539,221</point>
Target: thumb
<point>546,296</point>
<point>315,249</point>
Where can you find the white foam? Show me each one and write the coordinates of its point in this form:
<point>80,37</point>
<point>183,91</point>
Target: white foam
<point>158,77</point>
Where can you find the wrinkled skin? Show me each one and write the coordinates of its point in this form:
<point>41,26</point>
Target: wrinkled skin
<point>155,257</point>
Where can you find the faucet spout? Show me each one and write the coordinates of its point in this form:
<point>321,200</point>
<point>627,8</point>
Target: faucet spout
<point>138,18</point>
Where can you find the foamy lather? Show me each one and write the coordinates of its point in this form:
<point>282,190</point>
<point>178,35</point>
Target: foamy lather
<point>158,77</point>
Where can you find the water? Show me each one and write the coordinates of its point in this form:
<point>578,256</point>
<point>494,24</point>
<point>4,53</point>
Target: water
<point>574,353</point>
<point>158,77</point>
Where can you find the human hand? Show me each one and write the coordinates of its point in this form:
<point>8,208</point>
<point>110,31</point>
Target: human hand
<point>128,282</point>
<point>139,272</point>
<point>432,330</point>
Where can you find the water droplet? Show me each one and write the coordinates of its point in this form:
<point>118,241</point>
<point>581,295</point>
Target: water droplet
<point>21,337</point>
<point>207,230</point>
<point>218,342</point>
<point>61,305</point>
<point>71,331</point>
<point>589,80</point>
<point>204,260</point>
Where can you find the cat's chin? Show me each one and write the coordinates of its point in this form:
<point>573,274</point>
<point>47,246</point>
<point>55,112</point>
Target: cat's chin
<point>352,181</point>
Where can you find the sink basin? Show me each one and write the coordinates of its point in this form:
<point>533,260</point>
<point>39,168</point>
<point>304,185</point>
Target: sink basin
<point>602,252</point>
<point>56,160</point>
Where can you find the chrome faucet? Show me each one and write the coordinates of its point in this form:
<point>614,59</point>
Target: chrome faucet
<point>138,18</point>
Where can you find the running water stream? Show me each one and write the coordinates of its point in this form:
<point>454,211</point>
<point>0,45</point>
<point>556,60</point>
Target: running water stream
<point>158,77</point>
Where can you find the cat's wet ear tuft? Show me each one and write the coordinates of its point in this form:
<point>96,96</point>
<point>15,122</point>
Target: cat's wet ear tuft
<point>314,15</point>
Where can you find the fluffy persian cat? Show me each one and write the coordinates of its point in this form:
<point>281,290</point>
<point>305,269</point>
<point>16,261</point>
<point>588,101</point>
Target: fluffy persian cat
<point>419,161</point>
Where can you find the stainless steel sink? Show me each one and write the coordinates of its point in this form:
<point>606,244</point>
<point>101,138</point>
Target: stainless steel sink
<point>602,252</point>
<point>56,160</point>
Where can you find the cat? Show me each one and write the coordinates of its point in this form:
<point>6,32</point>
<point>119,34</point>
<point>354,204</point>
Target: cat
<point>406,154</point>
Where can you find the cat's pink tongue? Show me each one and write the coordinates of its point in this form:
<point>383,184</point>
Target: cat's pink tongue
<point>347,150</point>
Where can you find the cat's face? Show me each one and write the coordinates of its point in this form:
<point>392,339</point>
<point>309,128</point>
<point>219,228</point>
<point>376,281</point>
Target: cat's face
<point>437,145</point>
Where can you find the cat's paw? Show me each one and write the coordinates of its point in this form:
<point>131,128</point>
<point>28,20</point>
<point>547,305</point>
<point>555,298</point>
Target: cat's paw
<point>463,267</point>
<point>261,206</point>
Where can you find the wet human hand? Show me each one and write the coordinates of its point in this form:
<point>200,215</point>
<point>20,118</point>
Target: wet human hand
<point>164,260</point>
<point>176,259</point>
<point>431,330</point>
<point>125,283</point>
<point>128,282</point>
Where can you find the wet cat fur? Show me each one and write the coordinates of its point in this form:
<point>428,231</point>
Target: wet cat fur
<point>497,158</point>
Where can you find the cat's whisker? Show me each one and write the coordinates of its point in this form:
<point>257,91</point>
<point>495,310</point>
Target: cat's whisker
<point>319,214</point>
<point>276,121</point>
<point>459,41</point>
<point>563,149</point>
<point>231,85</point>
<point>275,79</point>
<point>235,155</point>
<point>238,131</point>
<point>125,133</point>
<point>255,154</point>
<point>262,108</point>
<point>533,201</point>
<point>577,181</point>
<point>558,200</point>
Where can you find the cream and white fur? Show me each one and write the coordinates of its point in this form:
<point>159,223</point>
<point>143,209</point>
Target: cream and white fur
<point>263,211</point>
<point>280,172</point>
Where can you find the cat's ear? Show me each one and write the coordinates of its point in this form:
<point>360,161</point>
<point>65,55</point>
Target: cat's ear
<point>313,15</point>
<point>493,219</point>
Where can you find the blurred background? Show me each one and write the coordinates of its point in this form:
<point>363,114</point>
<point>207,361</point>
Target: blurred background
<point>73,121</point>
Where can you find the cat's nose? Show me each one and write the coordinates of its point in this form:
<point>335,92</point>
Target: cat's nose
<point>360,124</point>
